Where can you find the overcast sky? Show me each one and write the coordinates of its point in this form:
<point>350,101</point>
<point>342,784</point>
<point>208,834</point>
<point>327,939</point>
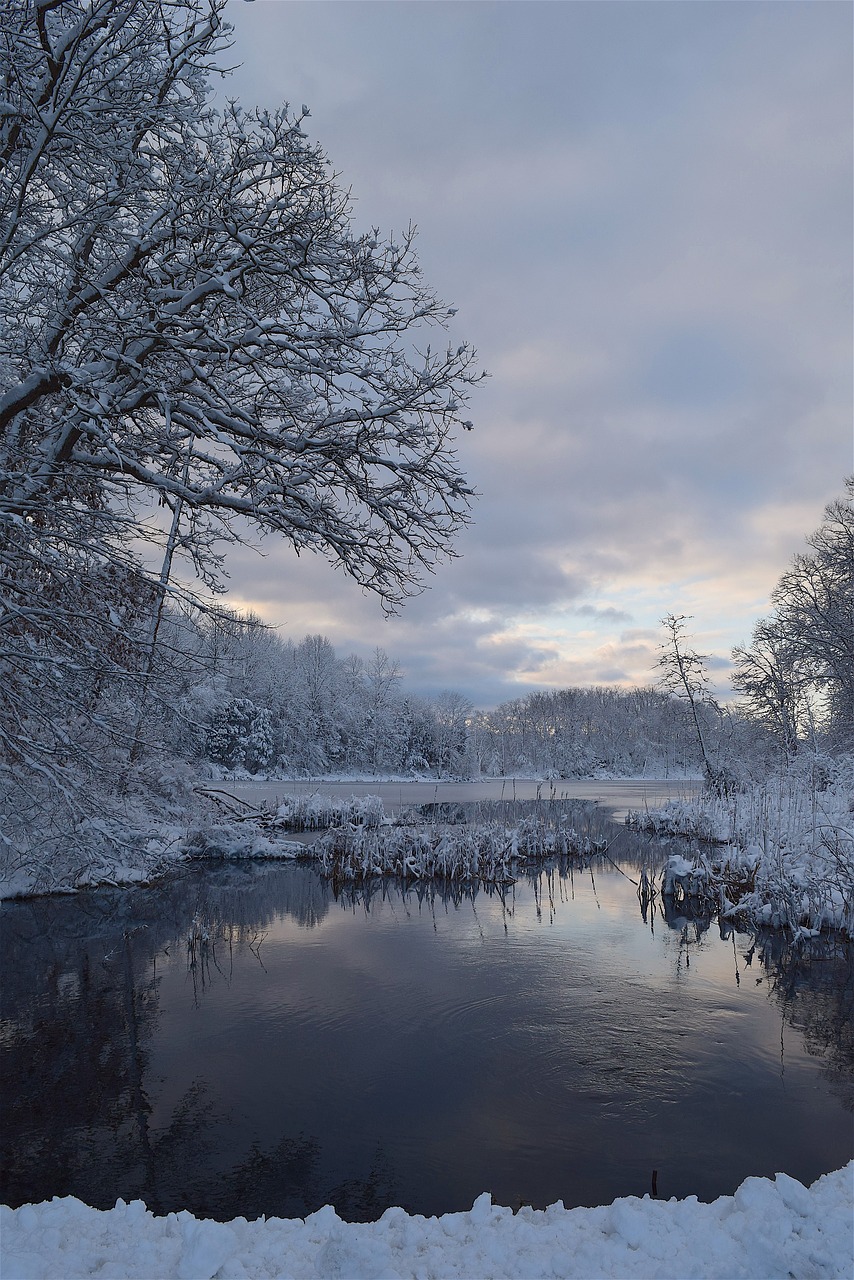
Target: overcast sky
<point>643,213</point>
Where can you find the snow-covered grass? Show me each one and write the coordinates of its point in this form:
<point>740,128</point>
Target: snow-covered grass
<point>316,813</point>
<point>769,1228</point>
<point>361,841</point>
<point>484,852</point>
<point>779,852</point>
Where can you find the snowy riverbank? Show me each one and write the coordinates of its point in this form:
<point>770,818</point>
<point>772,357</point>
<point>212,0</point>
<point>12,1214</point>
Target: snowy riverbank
<point>779,852</point>
<point>769,1228</point>
<point>145,838</point>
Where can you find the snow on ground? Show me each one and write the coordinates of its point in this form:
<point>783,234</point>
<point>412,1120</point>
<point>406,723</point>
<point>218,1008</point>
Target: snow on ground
<point>769,1228</point>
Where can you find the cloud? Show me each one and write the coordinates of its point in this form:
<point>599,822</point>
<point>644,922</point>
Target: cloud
<point>643,214</point>
<point>606,614</point>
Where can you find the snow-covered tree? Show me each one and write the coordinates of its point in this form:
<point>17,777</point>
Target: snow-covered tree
<point>313,734</point>
<point>798,673</point>
<point>228,732</point>
<point>814,603</point>
<point>193,344</point>
<point>683,673</point>
<point>773,678</point>
<point>452,711</point>
<point>384,728</point>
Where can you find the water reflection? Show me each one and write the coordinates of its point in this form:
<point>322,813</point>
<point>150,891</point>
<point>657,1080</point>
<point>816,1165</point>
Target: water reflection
<point>80,1011</point>
<point>240,1040</point>
<point>814,986</point>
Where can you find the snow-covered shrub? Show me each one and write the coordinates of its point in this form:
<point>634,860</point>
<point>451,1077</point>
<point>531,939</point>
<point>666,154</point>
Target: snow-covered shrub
<point>786,855</point>
<point>484,852</point>
<point>239,840</point>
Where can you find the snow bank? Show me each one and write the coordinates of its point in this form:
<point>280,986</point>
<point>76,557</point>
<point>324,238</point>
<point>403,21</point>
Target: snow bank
<point>767,1229</point>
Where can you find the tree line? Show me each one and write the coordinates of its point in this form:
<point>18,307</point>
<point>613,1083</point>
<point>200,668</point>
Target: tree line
<point>245,699</point>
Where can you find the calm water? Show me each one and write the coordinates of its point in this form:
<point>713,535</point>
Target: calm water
<point>408,1050</point>
<point>614,795</point>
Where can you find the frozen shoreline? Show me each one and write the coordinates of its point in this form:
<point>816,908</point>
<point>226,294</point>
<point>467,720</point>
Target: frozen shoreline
<point>140,847</point>
<point>770,1228</point>
<point>779,852</point>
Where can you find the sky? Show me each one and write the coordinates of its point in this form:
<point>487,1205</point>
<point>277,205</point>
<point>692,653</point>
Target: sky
<point>643,214</point>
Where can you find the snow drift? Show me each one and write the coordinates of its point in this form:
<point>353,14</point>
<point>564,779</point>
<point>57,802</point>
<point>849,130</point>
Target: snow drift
<point>769,1228</point>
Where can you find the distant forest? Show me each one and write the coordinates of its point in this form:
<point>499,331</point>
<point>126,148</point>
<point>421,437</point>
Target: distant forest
<point>250,701</point>
<point>254,702</point>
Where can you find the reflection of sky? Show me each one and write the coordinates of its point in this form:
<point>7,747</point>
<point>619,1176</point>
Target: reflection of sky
<point>483,1045</point>
<point>643,214</point>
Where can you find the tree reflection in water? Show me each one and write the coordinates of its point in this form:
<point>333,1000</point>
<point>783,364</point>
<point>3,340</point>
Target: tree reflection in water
<point>811,979</point>
<point>81,1006</point>
<point>814,986</point>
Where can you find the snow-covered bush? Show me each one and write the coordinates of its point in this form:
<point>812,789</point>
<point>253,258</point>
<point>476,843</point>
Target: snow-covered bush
<point>782,850</point>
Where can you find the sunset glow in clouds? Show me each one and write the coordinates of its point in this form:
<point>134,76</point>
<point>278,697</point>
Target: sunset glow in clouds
<point>643,215</point>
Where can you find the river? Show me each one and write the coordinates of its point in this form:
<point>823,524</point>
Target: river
<point>614,795</point>
<point>237,1040</point>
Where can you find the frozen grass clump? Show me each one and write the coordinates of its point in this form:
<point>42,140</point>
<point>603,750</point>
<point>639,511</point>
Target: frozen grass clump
<point>316,813</point>
<point>488,853</point>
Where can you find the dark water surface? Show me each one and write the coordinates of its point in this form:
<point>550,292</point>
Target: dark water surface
<point>406,1049</point>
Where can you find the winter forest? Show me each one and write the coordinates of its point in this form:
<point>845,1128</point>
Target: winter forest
<point>195,351</point>
<point>200,353</point>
